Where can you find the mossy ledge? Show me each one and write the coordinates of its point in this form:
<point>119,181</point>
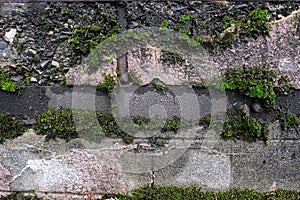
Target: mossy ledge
<point>192,192</point>
<point>181,193</point>
<point>60,124</point>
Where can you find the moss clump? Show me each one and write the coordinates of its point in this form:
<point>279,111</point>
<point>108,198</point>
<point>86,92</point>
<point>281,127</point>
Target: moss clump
<point>205,121</point>
<point>19,196</point>
<point>6,84</point>
<point>86,38</point>
<point>192,192</point>
<point>158,141</point>
<point>110,127</point>
<point>239,126</point>
<point>140,121</point>
<point>253,25</point>
<point>9,128</point>
<point>158,86</point>
<point>108,85</point>
<point>172,124</point>
<point>59,124</point>
<point>288,120</point>
<point>56,123</point>
<point>255,82</point>
<point>170,57</point>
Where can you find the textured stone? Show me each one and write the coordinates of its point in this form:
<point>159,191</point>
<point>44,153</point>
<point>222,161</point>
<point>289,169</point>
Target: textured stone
<point>80,76</point>
<point>280,51</point>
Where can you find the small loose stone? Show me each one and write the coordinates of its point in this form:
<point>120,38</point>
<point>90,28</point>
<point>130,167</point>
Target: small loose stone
<point>10,35</point>
<point>33,79</point>
<point>55,64</point>
<point>3,45</point>
<point>256,107</point>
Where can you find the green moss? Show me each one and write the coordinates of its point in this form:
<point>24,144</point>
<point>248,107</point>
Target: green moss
<point>64,11</point>
<point>85,15</point>
<point>60,124</point>
<point>141,121</point>
<point>158,141</point>
<point>56,123</point>
<point>20,46</point>
<point>205,121</point>
<point>192,193</point>
<point>9,128</point>
<point>169,56</point>
<point>255,82</point>
<point>6,84</point>
<point>254,25</point>
<point>158,86</point>
<point>109,84</point>
<point>172,124</point>
<point>85,38</point>
<point>164,25</point>
<point>74,41</point>
<point>288,120</point>
<point>110,127</point>
<point>239,126</point>
<point>199,85</point>
<point>19,196</point>
<point>186,18</point>
<point>292,119</point>
<point>94,27</point>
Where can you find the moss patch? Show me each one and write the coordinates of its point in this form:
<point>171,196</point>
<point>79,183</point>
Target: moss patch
<point>172,124</point>
<point>108,85</point>
<point>20,196</point>
<point>60,124</point>
<point>88,37</point>
<point>255,24</point>
<point>239,126</point>
<point>6,84</point>
<point>288,120</point>
<point>9,128</point>
<point>255,82</point>
<point>192,193</point>
<point>110,127</point>
<point>56,123</point>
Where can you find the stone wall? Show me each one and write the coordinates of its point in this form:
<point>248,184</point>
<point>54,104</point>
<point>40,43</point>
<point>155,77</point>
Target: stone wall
<point>35,45</point>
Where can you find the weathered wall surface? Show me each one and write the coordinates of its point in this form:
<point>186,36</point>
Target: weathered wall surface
<point>78,169</point>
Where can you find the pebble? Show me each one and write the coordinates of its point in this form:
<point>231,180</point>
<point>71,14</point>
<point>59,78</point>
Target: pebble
<point>3,45</point>
<point>16,78</point>
<point>45,64</point>
<point>256,107</point>
<point>55,63</point>
<point>33,79</point>
<point>32,51</point>
<point>245,109</point>
<point>10,35</point>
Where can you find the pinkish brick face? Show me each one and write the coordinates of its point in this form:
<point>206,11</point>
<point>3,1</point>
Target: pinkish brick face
<point>78,173</point>
<point>4,185</point>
